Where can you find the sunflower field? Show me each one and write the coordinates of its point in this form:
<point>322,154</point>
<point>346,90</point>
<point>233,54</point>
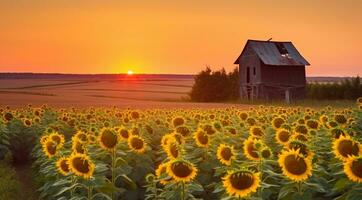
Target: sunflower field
<point>265,152</point>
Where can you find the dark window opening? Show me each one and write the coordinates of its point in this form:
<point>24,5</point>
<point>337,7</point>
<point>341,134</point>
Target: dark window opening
<point>254,71</point>
<point>248,75</point>
<point>281,48</point>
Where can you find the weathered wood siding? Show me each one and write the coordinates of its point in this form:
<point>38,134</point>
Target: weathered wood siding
<point>251,60</point>
<point>289,75</point>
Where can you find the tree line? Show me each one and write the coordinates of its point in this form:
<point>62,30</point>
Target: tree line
<point>215,86</point>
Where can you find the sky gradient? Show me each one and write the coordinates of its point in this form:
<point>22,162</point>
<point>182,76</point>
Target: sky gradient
<point>179,37</point>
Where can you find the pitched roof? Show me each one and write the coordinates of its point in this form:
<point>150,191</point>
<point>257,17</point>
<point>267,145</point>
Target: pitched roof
<point>275,53</point>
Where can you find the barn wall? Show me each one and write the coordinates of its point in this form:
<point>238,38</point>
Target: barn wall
<point>251,60</point>
<point>283,75</point>
<point>290,75</point>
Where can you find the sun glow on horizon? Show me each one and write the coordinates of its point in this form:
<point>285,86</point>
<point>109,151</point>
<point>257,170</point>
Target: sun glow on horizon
<point>130,72</point>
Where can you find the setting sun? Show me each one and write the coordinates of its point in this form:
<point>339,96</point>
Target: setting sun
<point>130,72</point>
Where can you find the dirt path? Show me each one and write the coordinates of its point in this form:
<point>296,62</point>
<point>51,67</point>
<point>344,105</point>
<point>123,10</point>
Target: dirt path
<point>27,184</point>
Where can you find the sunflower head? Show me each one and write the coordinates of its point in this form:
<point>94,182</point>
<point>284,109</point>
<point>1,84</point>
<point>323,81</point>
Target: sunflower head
<point>359,100</point>
<point>209,129</point>
<point>225,154</point>
<point>57,138</point>
<point>27,122</point>
<point>183,130</point>
<point>241,183</point>
<point>78,147</point>
<point>256,131</point>
<point>181,170</point>
<point>81,136</point>
<point>63,166</point>
<point>178,121</point>
<point>294,165</point>
<point>300,146</point>
<point>172,149</point>
<point>250,150</point>
<point>81,165</point>
<point>337,132</point>
<point>50,148</point>
<point>345,146</point>
<point>162,169</point>
<point>243,116</point>
<point>313,124</point>
<point>282,136</point>
<point>266,153</point>
<point>302,129</point>
<point>123,133</point>
<point>277,122</point>
<point>202,139</point>
<point>353,168</point>
<point>108,139</point>
<point>340,118</point>
<point>136,143</point>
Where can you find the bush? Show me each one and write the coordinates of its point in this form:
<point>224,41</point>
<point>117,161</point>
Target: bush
<point>211,86</point>
<point>347,89</point>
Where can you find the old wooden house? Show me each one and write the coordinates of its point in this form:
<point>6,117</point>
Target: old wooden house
<point>271,70</point>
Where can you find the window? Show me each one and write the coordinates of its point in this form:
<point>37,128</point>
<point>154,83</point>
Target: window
<point>248,75</point>
<point>281,48</point>
<point>254,71</point>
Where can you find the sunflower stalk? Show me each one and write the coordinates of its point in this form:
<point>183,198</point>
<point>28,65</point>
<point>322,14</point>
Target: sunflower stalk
<point>182,190</point>
<point>90,192</point>
<point>113,164</point>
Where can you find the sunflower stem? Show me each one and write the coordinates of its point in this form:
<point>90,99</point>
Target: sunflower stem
<point>113,170</point>
<point>182,191</point>
<point>73,181</point>
<point>300,187</point>
<point>90,191</point>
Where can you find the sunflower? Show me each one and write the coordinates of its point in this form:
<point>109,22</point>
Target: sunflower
<point>124,133</point>
<point>353,168</point>
<point>57,138</point>
<point>43,139</point>
<point>136,143</point>
<point>165,139</point>
<point>50,148</point>
<point>201,138</point>
<point>108,139</point>
<point>278,122</point>
<point>181,170</point>
<point>294,165</point>
<point>249,149</point>
<point>162,169</point>
<point>243,116</point>
<point>359,100</point>
<point>302,129</point>
<point>62,166</point>
<point>78,147</point>
<point>282,136</point>
<point>313,124</point>
<point>345,146</point>
<point>173,149</point>
<point>266,153</point>
<point>178,121</point>
<point>80,136</point>
<point>91,138</point>
<point>256,131</point>
<point>225,154</point>
<point>241,183</point>
<point>340,118</point>
<point>81,165</point>
<point>27,122</point>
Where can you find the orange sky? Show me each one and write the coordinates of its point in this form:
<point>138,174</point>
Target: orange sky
<point>163,36</point>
